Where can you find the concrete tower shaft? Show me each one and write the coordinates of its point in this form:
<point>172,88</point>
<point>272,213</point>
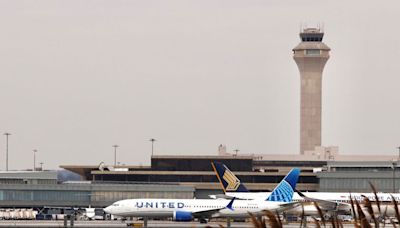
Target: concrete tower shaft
<point>310,56</point>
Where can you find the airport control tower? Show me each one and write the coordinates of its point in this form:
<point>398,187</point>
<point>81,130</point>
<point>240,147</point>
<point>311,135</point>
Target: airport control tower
<point>310,56</point>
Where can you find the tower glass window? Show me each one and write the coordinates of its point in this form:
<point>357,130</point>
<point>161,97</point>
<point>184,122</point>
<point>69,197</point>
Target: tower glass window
<point>313,52</point>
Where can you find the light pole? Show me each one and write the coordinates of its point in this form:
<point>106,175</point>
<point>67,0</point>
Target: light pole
<point>41,166</point>
<point>152,145</point>
<point>394,165</point>
<point>115,154</point>
<point>236,152</point>
<point>34,159</point>
<point>7,134</point>
<point>398,158</point>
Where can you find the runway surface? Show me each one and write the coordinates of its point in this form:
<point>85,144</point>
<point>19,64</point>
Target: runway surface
<point>151,224</point>
<point>158,224</point>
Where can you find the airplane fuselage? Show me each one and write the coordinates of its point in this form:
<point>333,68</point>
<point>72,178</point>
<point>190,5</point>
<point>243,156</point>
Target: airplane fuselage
<point>196,207</point>
<point>342,197</point>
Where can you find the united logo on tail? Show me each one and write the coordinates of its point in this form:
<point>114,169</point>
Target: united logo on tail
<point>285,189</point>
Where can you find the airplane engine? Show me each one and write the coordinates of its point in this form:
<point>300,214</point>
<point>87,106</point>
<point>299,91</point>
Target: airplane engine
<point>182,216</point>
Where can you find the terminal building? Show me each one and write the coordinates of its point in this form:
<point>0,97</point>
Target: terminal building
<point>356,176</point>
<point>28,177</point>
<point>187,177</point>
<point>167,177</point>
<point>25,191</point>
<point>197,172</point>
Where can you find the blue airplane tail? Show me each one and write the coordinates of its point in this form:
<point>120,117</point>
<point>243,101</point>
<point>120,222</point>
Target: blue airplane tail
<point>228,180</point>
<point>285,189</point>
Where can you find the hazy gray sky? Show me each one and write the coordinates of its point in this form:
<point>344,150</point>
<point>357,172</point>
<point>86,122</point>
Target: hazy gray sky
<point>79,76</point>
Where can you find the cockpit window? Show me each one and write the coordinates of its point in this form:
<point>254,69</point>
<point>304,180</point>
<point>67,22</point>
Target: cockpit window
<point>115,205</point>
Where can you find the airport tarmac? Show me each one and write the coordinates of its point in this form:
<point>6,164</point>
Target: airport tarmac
<point>158,224</point>
<point>151,224</point>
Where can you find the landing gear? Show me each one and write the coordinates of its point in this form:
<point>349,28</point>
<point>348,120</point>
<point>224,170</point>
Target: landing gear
<point>131,223</point>
<point>228,222</point>
<point>203,220</point>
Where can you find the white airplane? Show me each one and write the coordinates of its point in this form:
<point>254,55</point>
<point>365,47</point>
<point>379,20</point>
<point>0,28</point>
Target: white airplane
<point>186,209</point>
<point>338,201</point>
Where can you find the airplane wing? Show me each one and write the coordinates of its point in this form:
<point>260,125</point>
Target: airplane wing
<point>204,212</point>
<point>327,204</point>
<point>288,206</point>
<point>222,196</point>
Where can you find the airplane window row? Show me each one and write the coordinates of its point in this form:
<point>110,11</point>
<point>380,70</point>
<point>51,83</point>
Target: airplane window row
<point>248,207</point>
<point>207,206</point>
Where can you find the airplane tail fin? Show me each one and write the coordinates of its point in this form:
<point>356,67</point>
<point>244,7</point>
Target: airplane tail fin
<point>230,204</point>
<point>285,189</point>
<point>228,180</point>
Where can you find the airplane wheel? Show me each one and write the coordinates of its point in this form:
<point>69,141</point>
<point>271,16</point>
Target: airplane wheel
<point>203,220</point>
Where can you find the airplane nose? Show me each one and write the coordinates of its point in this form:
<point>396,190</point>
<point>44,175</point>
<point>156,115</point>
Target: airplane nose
<point>107,210</point>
